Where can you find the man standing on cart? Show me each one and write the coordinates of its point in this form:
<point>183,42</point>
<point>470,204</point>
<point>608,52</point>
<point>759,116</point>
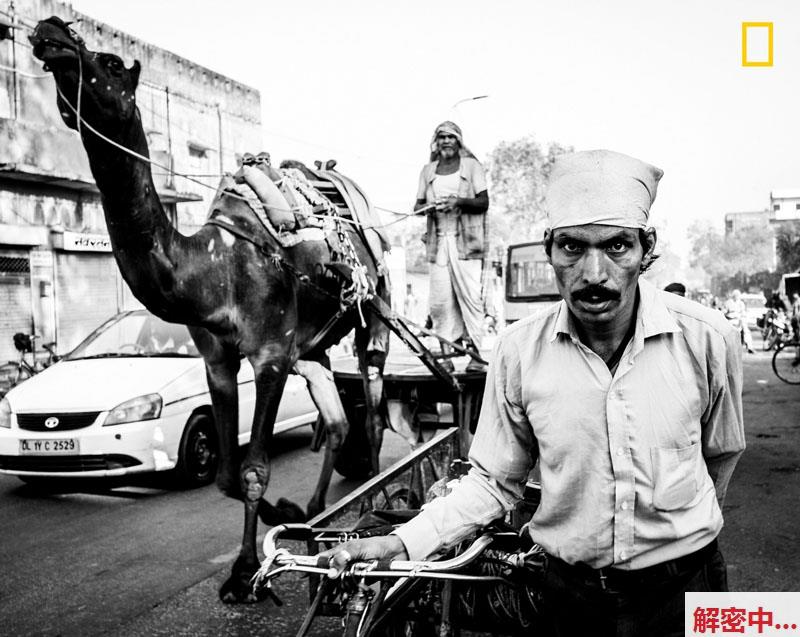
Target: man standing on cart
<point>630,399</point>
<point>452,188</point>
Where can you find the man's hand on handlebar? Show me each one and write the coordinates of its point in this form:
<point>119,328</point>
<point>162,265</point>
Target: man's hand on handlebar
<point>384,547</point>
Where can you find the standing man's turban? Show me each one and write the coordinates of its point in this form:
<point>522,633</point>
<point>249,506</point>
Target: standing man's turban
<point>602,187</point>
<point>449,128</point>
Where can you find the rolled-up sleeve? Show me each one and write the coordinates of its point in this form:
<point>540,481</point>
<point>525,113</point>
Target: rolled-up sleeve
<point>478,177</point>
<point>723,424</point>
<point>502,454</point>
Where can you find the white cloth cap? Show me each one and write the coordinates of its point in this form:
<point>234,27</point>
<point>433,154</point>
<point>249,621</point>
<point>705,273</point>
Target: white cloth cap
<point>602,187</point>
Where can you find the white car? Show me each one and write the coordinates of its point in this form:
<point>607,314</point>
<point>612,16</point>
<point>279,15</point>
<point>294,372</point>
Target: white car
<point>131,398</point>
<point>756,306</point>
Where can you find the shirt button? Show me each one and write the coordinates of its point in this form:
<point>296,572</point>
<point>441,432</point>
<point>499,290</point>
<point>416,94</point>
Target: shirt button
<point>624,506</point>
<point>620,451</point>
<point>622,556</point>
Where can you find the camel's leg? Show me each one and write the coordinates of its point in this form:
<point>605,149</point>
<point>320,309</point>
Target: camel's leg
<point>222,366</point>
<point>372,346</point>
<point>326,397</point>
<point>270,368</point>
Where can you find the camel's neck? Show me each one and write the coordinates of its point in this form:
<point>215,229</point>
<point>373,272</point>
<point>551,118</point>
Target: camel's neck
<point>145,244</point>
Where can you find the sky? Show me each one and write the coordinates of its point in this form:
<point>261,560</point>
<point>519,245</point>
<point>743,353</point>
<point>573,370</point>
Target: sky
<point>366,82</point>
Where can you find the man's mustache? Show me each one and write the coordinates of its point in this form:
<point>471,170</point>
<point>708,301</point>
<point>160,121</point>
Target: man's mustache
<point>594,292</point>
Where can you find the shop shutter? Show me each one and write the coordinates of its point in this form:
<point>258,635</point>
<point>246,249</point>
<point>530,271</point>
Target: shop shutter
<point>15,300</point>
<point>86,295</point>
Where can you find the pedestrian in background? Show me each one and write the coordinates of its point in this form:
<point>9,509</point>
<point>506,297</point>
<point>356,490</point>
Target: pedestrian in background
<point>736,313</point>
<point>453,189</point>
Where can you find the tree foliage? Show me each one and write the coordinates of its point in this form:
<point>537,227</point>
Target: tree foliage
<point>738,260</point>
<point>518,171</point>
<point>787,245</point>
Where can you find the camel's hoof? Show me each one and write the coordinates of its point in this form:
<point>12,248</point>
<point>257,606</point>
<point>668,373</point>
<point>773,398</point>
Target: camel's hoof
<point>233,593</point>
<point>238,589</point>
<point>283,512</point>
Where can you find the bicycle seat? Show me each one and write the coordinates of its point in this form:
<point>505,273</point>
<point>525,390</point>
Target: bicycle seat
<point>23,342</point>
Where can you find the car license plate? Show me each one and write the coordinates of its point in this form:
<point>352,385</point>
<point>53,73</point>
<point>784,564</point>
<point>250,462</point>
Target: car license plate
<point>48,446</point>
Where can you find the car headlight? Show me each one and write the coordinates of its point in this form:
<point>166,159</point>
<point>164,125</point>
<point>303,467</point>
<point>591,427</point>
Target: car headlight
<point>5,413</point>
<point>141,408</point>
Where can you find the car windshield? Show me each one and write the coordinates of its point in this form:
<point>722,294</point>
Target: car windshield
<point>754,303</point>
<point>136,334</point>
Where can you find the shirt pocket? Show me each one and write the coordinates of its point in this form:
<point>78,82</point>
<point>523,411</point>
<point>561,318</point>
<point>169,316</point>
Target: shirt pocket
<point>674,476</point>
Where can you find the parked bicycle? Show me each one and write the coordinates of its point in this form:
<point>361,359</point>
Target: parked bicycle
<point>490,583</point>
<point>14,372</point>
<point>786,361</point>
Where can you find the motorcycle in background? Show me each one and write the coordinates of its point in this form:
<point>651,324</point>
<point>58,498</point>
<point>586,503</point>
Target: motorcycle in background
<point>776,329</point>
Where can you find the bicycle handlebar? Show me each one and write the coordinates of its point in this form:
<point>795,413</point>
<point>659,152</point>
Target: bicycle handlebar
<point>443,569</point>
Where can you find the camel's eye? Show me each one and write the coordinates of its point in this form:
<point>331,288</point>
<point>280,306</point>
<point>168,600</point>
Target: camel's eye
<point>114,65</point>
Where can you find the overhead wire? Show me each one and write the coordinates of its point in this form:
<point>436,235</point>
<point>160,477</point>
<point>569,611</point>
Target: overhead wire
<point>191,177</point>
<point>145,159</point>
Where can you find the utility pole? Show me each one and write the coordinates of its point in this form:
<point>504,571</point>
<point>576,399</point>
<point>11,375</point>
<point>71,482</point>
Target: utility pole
<point>14,76</point>
<point>170,179</point>
<point>219,120</point>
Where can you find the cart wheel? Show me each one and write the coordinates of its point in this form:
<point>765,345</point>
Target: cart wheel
<point>412,614</point>
<point>396,498</point>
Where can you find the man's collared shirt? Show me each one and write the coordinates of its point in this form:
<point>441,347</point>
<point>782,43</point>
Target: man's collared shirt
<point>632,465</point>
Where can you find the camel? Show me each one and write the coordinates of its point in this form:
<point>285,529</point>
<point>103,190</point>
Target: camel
<point>239,291</point>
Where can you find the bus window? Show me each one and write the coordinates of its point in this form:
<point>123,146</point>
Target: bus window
<point>530,282</point>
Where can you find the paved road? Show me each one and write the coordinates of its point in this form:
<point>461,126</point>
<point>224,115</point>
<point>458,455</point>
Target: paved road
<point>148,561</point>
<point>89,563</point>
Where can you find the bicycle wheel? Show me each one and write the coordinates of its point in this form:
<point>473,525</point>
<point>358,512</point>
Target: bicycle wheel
<point>786,362</point>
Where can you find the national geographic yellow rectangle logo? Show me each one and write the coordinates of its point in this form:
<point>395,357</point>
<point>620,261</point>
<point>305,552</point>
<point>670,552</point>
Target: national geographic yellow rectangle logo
<point>756,43</point>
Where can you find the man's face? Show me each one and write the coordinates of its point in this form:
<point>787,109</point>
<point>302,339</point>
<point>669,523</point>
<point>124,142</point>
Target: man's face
<point>597,268</point>
<point>447,145</point>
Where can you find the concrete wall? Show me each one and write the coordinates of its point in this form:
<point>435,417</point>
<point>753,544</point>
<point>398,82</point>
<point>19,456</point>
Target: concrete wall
<point>183,105</point>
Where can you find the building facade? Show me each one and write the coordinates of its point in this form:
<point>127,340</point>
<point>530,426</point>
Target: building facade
<point>784,205</point>
<point>58,278</point>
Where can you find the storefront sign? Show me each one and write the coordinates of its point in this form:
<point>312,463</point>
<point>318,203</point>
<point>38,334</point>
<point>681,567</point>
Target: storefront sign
<point>82,242</point>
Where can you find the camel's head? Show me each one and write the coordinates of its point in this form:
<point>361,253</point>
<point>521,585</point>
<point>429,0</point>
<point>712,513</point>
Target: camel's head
<point>107,98</point>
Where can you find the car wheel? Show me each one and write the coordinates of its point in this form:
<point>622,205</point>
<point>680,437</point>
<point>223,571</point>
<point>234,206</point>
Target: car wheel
<point>198,454</point>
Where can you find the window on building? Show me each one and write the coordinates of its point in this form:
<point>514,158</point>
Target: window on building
<point>797,206</point>
<point>776,207</point>
<point>14,265</point>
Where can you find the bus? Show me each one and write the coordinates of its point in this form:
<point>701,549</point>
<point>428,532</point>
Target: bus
<point>790,284</point>
<point>530,281</point>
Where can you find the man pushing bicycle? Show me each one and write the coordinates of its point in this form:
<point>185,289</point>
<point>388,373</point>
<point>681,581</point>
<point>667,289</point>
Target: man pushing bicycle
<point>630,400</point>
